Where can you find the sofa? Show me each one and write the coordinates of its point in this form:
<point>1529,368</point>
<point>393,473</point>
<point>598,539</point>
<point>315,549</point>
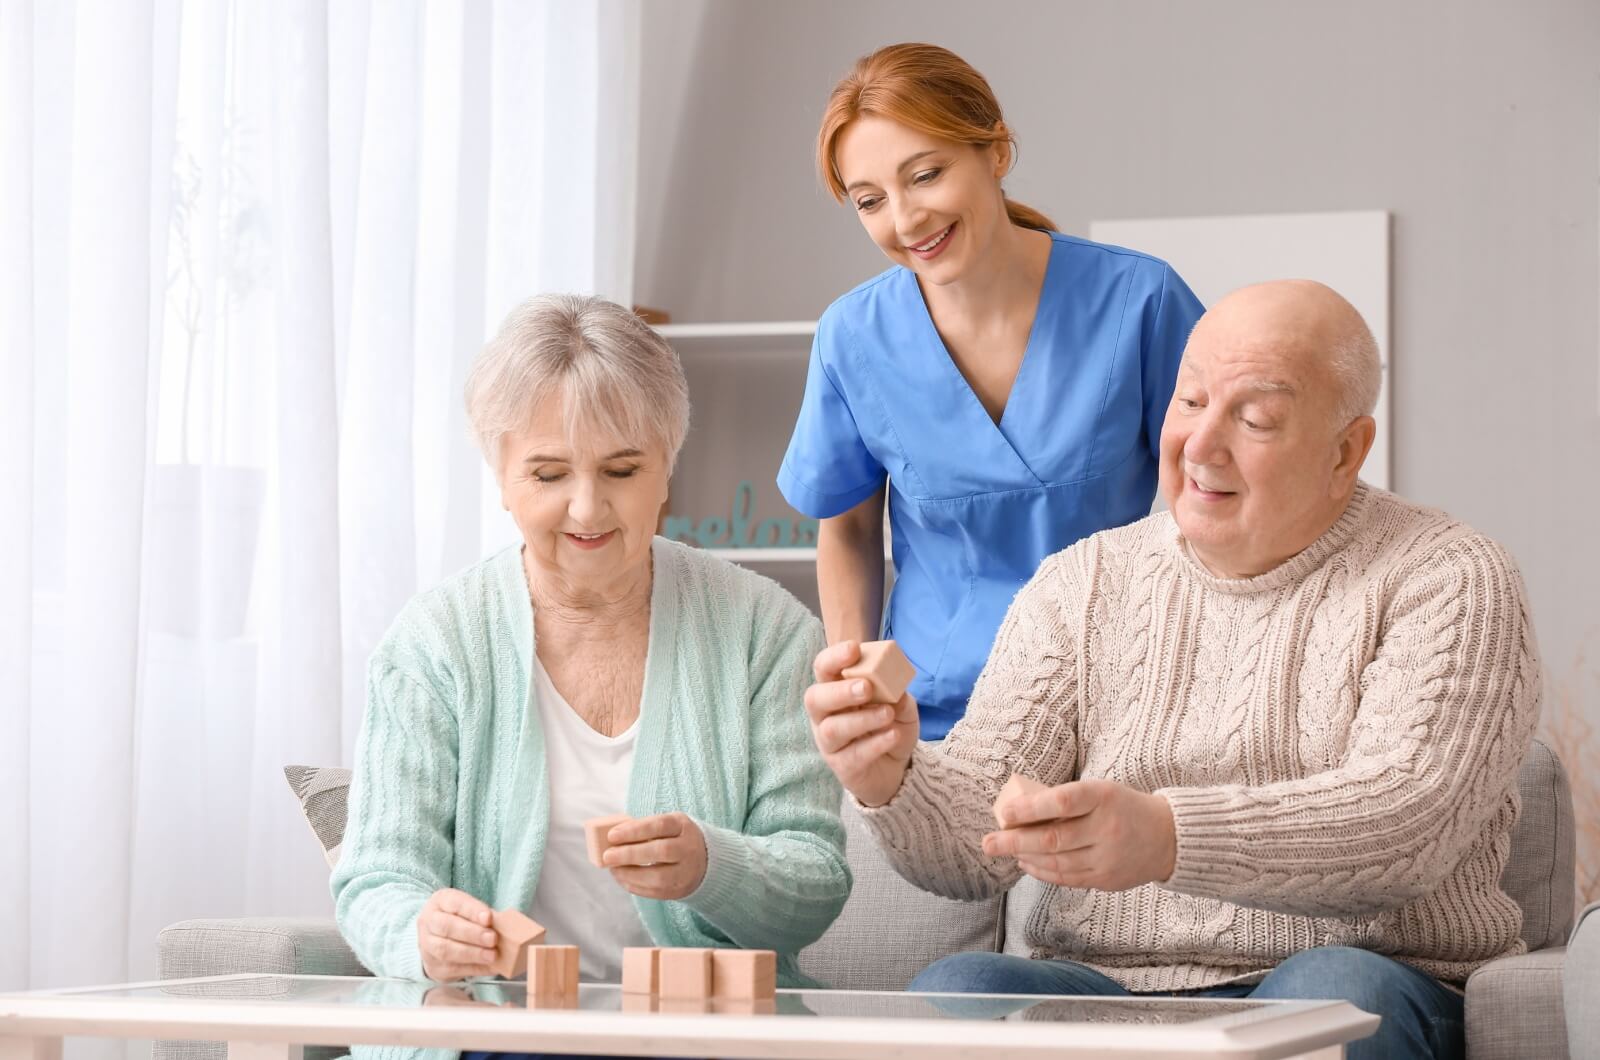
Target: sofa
<point>890,930</point>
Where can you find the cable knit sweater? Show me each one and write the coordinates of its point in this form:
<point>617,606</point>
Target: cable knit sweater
<point>1339,740</point>
<point>451,788</point>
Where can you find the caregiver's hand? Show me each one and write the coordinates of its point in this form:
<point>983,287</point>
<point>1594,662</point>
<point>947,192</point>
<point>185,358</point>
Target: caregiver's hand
<point>657,857</point>
<point>455,936</point>
<point>867,745</point>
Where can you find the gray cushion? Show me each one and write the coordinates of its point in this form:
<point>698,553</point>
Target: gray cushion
<point>890,930</point>
<point>270,945</point>
<point>324,794</point>
<point>1539,876</point>
<point>1581,986</point>
<point>1514,1008</point>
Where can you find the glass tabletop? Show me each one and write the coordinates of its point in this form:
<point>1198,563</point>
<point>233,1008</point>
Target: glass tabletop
<point>598,997</point>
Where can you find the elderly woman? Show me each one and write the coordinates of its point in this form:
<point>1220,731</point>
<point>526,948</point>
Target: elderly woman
<point>594,669</point>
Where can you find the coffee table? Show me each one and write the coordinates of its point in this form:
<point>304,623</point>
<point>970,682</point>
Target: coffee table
<point>271,1017</point>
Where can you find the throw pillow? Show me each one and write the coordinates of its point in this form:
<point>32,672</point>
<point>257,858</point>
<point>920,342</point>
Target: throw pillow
<point>323,793</point>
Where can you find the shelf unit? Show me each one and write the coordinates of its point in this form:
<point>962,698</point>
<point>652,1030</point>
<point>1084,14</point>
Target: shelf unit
<point>763,329</point>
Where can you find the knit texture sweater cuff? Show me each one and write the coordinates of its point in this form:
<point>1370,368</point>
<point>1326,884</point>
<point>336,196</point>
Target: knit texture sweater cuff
<point>1214,855</point>
<point>913,808</point>
<point>725,892</point>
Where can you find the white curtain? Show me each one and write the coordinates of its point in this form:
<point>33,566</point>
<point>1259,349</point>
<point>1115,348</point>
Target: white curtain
<point>248,249</point>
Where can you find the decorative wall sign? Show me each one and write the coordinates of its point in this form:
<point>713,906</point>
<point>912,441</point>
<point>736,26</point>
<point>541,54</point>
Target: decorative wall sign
<point>736,530</point>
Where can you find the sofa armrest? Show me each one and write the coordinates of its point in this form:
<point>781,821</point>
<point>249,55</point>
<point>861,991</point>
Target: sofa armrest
<point>270,945</point>
<point>1580,983</point>
<point>1513,1007</point>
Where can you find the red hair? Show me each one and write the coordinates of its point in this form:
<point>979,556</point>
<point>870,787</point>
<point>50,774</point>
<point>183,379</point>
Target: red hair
<point>927,88</point>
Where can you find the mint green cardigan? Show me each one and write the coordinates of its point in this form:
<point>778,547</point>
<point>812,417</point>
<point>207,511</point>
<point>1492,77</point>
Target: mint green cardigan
<point>451,789</point>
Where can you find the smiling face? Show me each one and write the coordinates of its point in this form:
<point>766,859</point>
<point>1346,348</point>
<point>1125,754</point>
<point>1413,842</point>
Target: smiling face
<point>930,204</point>
<point>1254,465</point>
<point>587,507</point>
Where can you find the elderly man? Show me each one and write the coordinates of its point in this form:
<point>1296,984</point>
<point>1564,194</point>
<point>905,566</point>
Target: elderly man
<point>1279,725</point>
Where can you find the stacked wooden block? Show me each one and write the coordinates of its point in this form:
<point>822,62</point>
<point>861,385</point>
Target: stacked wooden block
<point>696,976</point>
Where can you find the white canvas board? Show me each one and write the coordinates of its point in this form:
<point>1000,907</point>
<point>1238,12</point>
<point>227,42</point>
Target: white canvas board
<point>1348,251</point>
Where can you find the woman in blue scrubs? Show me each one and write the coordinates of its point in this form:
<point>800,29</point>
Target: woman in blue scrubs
<point>1003,385</point>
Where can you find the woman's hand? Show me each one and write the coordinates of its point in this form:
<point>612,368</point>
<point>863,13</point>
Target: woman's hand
<point>455,936</point>
<point>657,857</point>
<point>867,745</point>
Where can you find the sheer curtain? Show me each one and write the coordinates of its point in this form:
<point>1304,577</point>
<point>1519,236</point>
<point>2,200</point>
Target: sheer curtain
<point>247,251</point>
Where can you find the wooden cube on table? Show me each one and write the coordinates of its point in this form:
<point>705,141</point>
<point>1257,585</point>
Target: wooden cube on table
<point>744,975</point>
<point>685,973</point>
<point>641,970</point>
<point>552,976</point>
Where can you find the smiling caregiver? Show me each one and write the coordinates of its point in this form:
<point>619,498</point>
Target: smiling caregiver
<point>1003,384</point>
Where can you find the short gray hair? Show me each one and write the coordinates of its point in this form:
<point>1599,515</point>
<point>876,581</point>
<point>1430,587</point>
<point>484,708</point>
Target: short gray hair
<point>1353,360</point>
<point>615,375</point>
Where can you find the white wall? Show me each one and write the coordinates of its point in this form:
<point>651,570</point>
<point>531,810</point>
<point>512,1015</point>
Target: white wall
<point>1477,123</point>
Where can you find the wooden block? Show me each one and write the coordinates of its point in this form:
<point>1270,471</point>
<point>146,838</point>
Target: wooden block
<point>1018,785</point>
<point>594,834</point>
<point>514,933</point>
<point>886,667</point>
<point>744,975</point>
<point>552,973</point>
<point>641,970</point>
<point>685,973</point>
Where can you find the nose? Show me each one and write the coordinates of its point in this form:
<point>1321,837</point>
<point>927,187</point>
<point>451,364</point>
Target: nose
<point>588,501</point>
<point>1206,445</point>
<point>908,218</point>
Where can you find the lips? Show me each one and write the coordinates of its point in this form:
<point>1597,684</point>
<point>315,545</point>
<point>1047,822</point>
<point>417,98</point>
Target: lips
<point>590,541</point>
<point>1210,494</point>
<point>932,248</point>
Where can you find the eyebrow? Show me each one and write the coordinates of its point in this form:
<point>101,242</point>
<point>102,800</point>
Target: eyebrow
<point>898,169</point>
<point>1268,386</point>
<point>551,458</point>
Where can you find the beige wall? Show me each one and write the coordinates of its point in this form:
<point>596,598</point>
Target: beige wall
<point>1477,123</point>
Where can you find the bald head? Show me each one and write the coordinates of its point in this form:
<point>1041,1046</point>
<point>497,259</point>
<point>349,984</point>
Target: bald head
<point>1269,424</point>
<point>1314,329</point>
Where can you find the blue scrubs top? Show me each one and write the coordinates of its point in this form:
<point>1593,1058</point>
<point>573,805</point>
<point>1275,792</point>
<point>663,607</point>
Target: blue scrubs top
<point>975,506</point>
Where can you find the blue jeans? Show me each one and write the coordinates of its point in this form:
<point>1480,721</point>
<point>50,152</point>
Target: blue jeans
<point>1421,1016</point>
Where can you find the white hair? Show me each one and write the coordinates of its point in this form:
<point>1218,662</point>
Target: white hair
<point>615,375</point>
<point>1353,360</point>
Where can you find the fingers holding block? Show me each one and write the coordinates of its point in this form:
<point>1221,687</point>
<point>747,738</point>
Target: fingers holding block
<point>641,970</point>
<point>1017,786</point>
<point>885,667</point>
<point>594,834</point>
<point>552,974</point>
<point>744,975</point>
<point>514,933</point>
<point>685,973</point>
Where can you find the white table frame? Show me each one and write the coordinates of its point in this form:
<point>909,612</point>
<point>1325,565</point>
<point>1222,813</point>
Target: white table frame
<point>33,1024</point>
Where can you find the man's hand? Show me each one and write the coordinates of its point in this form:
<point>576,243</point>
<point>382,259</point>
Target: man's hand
<point>1089,833</point>
<point>657,857</point>
<point>867,745</point>
<point>455,936</point>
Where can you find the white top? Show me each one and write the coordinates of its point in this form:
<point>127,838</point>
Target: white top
<point>577,903</point>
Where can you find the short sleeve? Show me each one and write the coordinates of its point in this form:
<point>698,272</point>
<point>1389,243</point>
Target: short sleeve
<point>828,468</point>
<point>1167,330</point>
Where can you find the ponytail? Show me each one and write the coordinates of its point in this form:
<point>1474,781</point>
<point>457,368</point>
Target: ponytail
<point>1028,217</point>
